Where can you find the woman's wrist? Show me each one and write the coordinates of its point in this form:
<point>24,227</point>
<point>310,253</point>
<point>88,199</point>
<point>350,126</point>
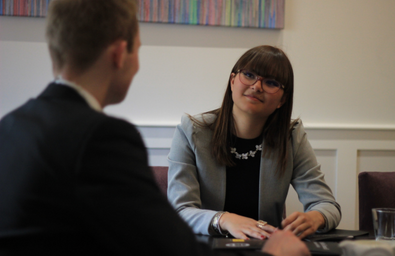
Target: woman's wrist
<point>215,224</point>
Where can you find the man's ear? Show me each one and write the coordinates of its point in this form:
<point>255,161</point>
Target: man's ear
<point>118,53</point>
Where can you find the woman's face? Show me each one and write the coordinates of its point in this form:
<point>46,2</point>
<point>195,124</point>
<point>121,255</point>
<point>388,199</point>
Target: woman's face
<point>253,100</point>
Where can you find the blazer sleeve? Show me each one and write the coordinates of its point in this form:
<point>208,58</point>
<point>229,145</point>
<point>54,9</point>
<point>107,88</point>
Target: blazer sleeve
<point>120,201</point>
<point>183,180</point>
<point>308,181</point>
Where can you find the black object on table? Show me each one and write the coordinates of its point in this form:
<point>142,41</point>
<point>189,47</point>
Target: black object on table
<point>318,244</point>
<point>338,235</point>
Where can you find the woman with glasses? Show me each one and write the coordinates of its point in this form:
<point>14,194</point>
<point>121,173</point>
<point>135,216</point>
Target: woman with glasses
<point>230,168</point>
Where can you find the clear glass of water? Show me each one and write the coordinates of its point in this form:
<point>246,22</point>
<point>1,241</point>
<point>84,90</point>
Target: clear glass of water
<point>384,223</point>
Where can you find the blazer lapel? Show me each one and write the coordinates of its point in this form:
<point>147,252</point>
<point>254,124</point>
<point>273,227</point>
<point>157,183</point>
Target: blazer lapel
<point>271,205</point>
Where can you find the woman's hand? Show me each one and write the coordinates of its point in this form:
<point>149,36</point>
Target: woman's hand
<point>285,243</point>
<point>243,227</point>
<point>303,224</point>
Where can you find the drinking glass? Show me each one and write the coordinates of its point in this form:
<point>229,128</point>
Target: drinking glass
<point>384,223</point>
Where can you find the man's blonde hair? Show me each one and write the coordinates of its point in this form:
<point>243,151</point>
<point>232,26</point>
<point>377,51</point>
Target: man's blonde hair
<point>79,30</point>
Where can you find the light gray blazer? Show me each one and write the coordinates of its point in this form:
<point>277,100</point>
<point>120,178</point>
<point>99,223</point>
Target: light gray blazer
<point>197,183</point>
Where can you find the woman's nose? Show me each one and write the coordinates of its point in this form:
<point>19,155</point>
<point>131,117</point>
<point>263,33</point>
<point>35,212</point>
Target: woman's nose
<point>257,86</point>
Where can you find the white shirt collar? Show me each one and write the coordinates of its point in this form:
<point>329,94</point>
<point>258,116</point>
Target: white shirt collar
<point>92,102</point>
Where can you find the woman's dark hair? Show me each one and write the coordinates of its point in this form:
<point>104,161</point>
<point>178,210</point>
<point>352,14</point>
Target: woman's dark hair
<point>266,61</point>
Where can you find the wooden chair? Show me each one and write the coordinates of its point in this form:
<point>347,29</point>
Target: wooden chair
<point>376,190</point>
<point>160,173</point>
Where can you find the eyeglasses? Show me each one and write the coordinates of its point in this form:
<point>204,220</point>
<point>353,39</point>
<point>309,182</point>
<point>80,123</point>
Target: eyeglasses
<point>249,78</point>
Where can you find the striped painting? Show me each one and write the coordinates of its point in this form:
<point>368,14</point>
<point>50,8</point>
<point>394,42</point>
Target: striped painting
<point>234,13</point>
<point>32,8</point>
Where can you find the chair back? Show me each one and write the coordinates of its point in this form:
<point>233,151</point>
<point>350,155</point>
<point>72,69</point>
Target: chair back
<point>376,190</point>
<point>160,174</point>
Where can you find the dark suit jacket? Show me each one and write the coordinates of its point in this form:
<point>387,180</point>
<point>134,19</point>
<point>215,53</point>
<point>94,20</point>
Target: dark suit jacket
<point>74,181</point>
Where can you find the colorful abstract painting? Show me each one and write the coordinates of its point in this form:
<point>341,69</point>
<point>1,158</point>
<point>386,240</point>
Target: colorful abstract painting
<point>234,13</point>
<point>32,8</point>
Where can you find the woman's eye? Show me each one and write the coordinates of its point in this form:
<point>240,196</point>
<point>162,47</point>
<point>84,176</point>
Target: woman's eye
<point>249,75</point>
<point>272,83</point>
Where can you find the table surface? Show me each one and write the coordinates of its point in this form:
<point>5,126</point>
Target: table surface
<point>329,240</point>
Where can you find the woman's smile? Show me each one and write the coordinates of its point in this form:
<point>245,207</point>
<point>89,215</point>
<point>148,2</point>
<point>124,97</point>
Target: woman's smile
<point>253,97</point>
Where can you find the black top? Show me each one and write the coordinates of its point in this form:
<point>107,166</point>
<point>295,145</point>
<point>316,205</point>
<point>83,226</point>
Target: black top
<point>242,180</point>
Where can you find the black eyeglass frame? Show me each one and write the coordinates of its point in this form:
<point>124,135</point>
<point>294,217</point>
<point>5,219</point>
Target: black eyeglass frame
<point>260,78</point>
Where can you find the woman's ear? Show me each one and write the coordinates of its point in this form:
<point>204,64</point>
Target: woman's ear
<point>232,80</point>
<point>282,101</point>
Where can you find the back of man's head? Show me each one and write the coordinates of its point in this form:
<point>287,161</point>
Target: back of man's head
<point>79,30</point>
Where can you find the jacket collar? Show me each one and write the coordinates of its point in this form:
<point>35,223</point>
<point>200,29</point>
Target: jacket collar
<point>62,92</point>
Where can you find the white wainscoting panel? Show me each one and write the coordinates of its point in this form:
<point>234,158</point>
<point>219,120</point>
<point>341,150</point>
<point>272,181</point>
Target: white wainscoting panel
<point>327,159</point>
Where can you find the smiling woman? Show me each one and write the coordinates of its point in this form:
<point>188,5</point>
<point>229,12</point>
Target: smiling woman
<point>256,96</point>
<point>273,121</point>
<point>220,184</point>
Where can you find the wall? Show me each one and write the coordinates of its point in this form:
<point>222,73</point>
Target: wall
<point>342,53</point>
<point>343,58</point>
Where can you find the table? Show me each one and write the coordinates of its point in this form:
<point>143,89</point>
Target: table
<point>318,244</point>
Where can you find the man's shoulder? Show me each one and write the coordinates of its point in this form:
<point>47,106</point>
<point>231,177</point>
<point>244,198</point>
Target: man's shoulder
<point>63,117</point>
<point>118,125</point>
